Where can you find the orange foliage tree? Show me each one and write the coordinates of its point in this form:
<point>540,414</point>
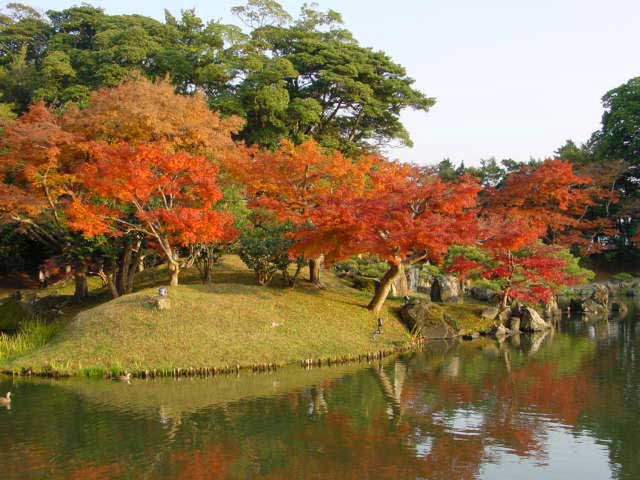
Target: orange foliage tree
<point>141,111</point>
<point>402,215</point>
<point>292,180</point>
<point>537,203</point>
<point>35,181</point>
<point>168,197</point>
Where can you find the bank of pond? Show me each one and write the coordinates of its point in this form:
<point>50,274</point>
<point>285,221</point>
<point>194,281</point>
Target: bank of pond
<point>234,324</point>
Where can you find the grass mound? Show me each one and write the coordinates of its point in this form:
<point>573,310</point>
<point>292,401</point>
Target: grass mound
<point>232,321</point>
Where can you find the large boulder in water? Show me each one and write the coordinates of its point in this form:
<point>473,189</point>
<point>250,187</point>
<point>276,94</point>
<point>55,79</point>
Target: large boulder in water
<point>446,288</point>
<point>594,304</point>
<point>428,320</point>
<point>531,321</point>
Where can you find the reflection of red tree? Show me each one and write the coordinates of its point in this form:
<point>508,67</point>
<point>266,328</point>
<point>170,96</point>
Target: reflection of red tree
<point>536,387</point>
<point>341,448</point>
<point>97,472</point>
<point>212,462</point>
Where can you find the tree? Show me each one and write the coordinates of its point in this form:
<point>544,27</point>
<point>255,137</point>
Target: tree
<point>619,137</point>
<point>264,248</point>
<point>141,111</point>
<point>171,195</point>
<point>539,202</point>
<point>311,79</point>
<point>532,274</point>
<point>36,183</point>
<point>402,216</point>
<point>290,180</point>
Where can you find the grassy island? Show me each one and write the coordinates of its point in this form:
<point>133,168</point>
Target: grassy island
<point>232,321</point>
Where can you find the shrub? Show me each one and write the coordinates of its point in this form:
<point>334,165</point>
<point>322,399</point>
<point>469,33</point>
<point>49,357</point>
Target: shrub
<point>366,284</point>
<point>623,277</point>
<point>265,250</point>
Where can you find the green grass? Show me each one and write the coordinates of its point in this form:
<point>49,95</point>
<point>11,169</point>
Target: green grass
<point>232,321</point>
<point>31,335</point>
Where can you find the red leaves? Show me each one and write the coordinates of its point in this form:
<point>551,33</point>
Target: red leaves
<point>397,215</point>
<point>533,203</point>
<point>169,196</point>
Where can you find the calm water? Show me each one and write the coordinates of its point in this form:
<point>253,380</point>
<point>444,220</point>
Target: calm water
<point>563,405</point>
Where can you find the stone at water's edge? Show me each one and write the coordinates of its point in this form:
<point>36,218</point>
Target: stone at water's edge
<point>594,303</point>
<point>531,321</point>
<point>620,308</point>
<point>428,319</point>
<point>446,288</point>
<point>514,324</point>
<point>551,308</point>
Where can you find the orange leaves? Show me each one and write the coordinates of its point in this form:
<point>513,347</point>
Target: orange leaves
<point>290,180</point>
<point>169,196</point>
<point>31,148</point>
<point>397,215</point>
<point>140,111</point>
<point>533,203</point>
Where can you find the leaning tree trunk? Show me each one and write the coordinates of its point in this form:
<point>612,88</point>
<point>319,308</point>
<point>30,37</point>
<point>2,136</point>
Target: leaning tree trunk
<point>81,292</point>
<point>382,292</point>
<point>314,269</point>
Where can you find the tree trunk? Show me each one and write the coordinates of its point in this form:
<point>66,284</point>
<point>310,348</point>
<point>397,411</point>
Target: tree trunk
<point>382,292</point>
<point>81,292</point>
<point>314,269</point>
<point>133,267</point>
<point>123,267</point>
<point>174,271</point>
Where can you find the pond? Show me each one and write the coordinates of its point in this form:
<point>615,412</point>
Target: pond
<point>560,405</point>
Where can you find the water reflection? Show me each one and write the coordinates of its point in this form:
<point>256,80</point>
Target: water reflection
<point>561,404</point>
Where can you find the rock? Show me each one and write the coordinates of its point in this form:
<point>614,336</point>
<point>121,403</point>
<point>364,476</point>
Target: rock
<point>446,288</point>
<point>513,323</point>
<point>551,308</point>
<point>428,320</point>
<point>499,331</point>
<point>591,307</point>
<point>504,315</point>
<point>620,308</point>
<point>471,336</point>
<point>162,303</point>
<point>400,286</point>
<point>600,295</point>
<point>483,294</point>
<point>490,313</point>
<point>531,321</point>
<point>594,303</point>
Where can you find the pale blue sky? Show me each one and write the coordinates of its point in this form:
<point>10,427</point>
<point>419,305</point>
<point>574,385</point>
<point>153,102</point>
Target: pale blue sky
<point>512,78</point>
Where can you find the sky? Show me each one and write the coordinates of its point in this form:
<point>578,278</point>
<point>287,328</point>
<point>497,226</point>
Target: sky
<point>512,78</point>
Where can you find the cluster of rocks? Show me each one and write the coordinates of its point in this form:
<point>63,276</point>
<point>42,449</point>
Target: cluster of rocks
<point>433,322</point>
<point>592,301</point>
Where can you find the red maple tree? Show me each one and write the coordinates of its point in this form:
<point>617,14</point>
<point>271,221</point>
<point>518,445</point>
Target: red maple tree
<point>166,196</point>
<point>403,215</point>
<point>291,181</point>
